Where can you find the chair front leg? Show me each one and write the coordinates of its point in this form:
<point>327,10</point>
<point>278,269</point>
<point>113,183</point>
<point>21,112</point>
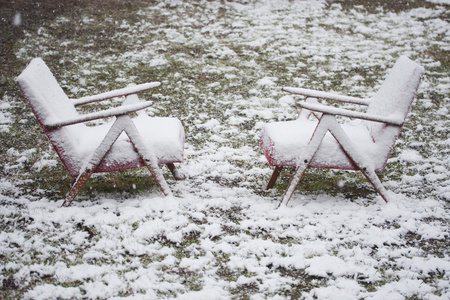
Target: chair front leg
<point>303,161</point>
<point>89,168</point>
<point>76,187</point>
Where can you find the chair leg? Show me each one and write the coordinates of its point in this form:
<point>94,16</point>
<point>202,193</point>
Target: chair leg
<point>176,174</point>
<point>147,156</point>
<point>273,179</point>
<point>359,159</point>
<point>305,160</point>
<point>299,171</point>
<point>375,181</point>
<point>152,166</point>
<point>94,162</point>
<point>76,187</point>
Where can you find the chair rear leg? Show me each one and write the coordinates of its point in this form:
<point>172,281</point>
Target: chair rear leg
<point>273,179</point>
<point>176,174</point>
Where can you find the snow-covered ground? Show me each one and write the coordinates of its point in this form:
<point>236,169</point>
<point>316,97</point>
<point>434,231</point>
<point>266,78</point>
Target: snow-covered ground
<point>220,236</point>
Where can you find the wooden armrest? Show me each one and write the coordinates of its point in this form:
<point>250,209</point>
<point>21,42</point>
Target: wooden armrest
<point>116,93</point>
<point>351,114</point>
<point>116,111</point>
<point>325,95</point>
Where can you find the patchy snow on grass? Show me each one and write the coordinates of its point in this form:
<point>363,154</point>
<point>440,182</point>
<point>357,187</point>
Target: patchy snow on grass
<point>220,236</point>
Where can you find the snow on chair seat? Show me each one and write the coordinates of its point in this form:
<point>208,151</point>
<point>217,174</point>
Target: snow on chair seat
<point>123,143</point>
<point>363,144</point>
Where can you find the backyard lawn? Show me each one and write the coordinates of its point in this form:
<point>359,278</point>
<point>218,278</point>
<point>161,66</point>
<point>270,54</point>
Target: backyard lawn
<point>222,65</point>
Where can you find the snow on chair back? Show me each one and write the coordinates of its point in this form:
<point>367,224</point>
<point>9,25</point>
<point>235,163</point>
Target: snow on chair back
<point>45,96</point>
<point>50,104</point>
<point>393,99</point>
<point>396,94</point>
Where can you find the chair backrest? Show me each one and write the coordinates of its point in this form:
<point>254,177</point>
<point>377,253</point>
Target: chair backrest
<point>394,99</point>
<point>49,103</point>
<point>396,94</point>
<point>46,98</point>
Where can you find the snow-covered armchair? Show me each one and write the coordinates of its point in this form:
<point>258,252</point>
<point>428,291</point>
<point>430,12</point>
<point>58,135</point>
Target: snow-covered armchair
<point>364,144</point>
<point>121,144</point>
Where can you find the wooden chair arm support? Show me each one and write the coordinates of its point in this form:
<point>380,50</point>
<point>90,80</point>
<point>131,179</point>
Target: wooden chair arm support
<point>325,95</point>
<point>116,93</point>
<point>116,111</point>
<point>349,113</point>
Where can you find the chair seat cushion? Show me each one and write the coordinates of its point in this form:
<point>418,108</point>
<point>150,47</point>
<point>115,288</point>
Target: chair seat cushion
<point>162,136</point>
<point>284,142</point>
